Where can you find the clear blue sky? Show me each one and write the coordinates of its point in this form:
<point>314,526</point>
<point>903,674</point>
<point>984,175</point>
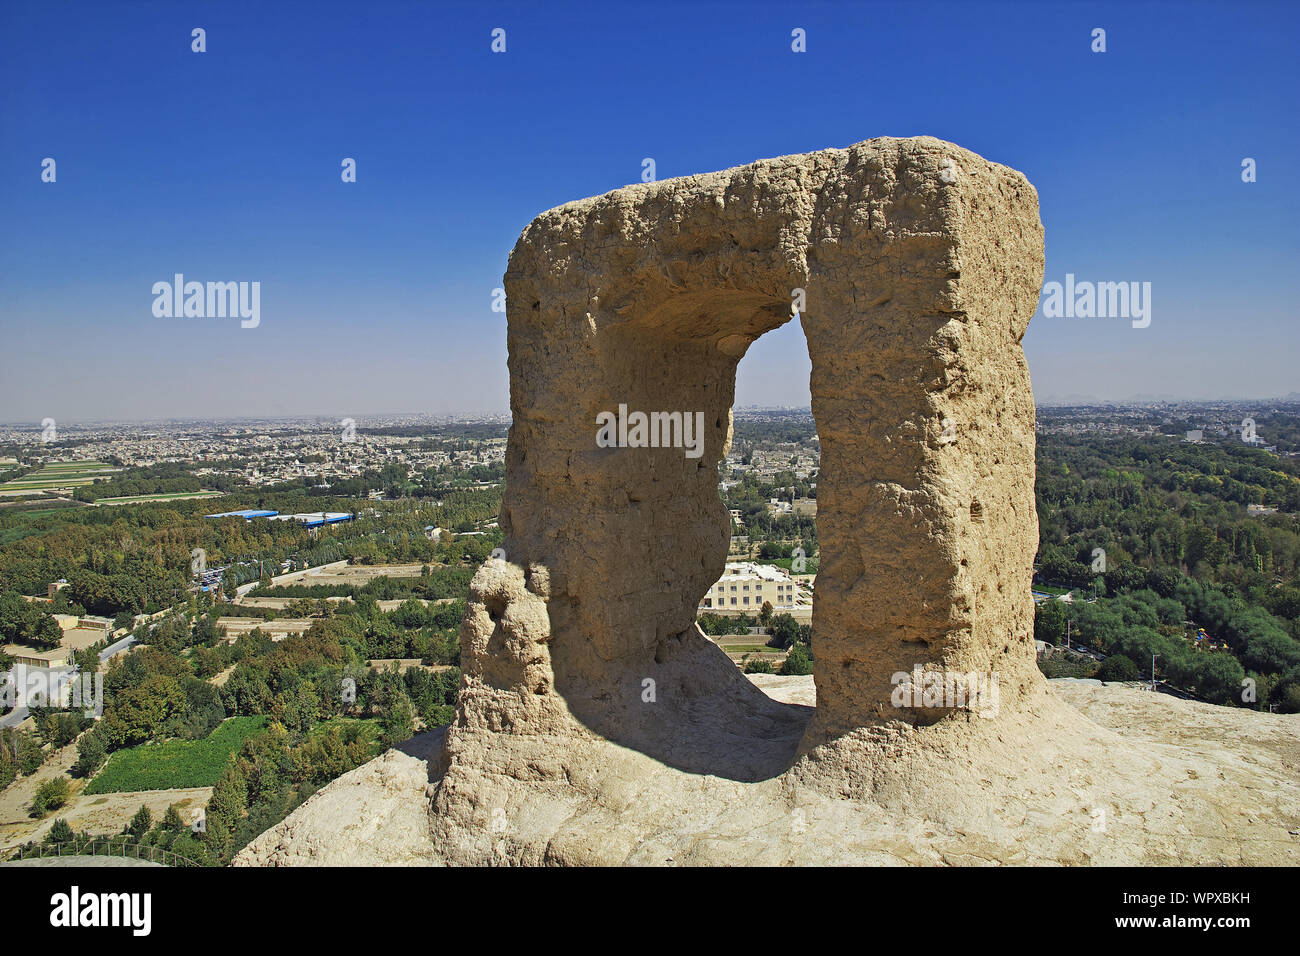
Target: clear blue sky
<point>376,296</point>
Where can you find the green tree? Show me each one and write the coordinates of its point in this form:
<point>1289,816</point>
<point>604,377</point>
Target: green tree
<point>785,631</point>
<point>798,662</point>
<point>141,713</point>
<point>140,823</point>
<point>229,800</point>
<point>60,832</point>
<point>30,754</point>
<point>205,632</point>
<point>27,623</point>
<point>409,614</point>
<point>50,795</point>
<point>1218,678</point>
<point>90,754</point>
<point>1049,622</point>
<point>398,721</point>
<point>1117,667</point>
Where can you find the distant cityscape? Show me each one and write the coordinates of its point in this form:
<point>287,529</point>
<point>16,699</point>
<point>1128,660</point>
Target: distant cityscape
<point>320,452</point>
<point>133,553</point>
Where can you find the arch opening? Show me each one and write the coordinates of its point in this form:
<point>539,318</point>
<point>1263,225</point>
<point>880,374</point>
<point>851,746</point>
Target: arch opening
<point>919,265</point>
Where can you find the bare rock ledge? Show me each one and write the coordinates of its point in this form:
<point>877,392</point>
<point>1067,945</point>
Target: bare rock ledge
<point>1126,777</point>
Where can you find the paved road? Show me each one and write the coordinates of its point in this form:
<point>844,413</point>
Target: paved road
<point>116,648</point>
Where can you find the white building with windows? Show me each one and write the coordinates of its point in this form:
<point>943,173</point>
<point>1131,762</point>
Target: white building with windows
<point>744,586</point>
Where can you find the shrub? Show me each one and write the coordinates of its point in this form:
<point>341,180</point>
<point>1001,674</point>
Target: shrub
<point>1117,667</point>
<point>50,795</point>
<point>798,662</point>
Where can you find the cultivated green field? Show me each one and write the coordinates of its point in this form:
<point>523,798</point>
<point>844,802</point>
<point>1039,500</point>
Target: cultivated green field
<point>75,465</point>
<point>62,474</point>
<point>47,484</point>
<point>164,496</point>
<point>175,764</point>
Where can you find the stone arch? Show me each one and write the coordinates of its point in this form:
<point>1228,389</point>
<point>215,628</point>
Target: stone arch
<point>920,264</point>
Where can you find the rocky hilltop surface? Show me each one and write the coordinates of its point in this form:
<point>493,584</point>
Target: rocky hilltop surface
<point>1119,776</point>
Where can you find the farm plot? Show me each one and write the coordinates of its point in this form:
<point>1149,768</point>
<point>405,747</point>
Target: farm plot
<point>176,763</point>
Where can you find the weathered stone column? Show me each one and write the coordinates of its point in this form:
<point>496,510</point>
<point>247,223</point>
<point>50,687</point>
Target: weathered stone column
<point>921,264</point>
<point>924,268</point>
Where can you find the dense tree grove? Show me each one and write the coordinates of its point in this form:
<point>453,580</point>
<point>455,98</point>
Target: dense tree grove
<point>307,708</point>
<point>328,711</point>
<point>1162,531</point>
<point>139,558</point>
<point>155,480</point>
<point>27,623</point>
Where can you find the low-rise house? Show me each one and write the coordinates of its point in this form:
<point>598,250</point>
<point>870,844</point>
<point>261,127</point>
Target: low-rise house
<point>30,657</point>
<point>232,629</point>
<point>746,586</point>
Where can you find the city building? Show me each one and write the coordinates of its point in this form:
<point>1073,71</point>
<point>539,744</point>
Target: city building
<point>314,519</point>
<point>232,629</point>
<point>30,657</point>
<point>745,586</point>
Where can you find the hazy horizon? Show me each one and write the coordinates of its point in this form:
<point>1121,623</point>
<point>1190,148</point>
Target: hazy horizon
<point>363,415</point>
